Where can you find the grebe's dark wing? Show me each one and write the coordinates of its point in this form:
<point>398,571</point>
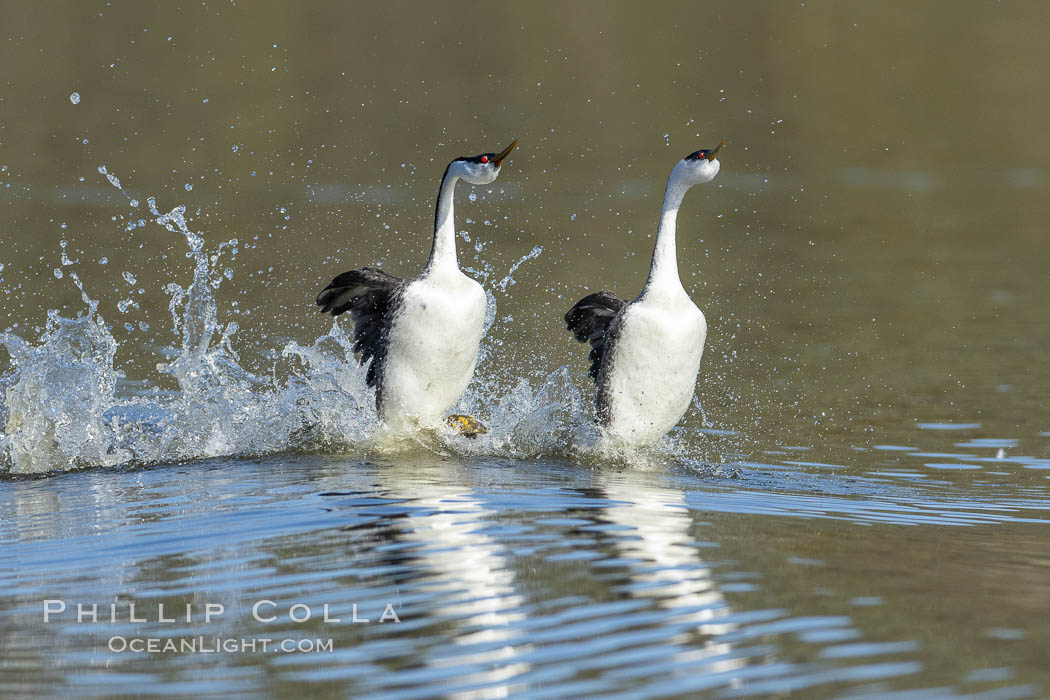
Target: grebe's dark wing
<point>591,321</point>
<point>370,296</point>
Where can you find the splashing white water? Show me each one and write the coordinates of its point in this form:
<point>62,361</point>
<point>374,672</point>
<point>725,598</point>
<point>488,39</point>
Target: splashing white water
<point>63,407</point>
<point>509,279</point>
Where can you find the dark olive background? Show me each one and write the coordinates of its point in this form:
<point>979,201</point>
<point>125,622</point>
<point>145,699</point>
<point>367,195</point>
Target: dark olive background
<point>874,252</point>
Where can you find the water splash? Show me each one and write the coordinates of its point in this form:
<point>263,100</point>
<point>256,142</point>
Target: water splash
<point>509,279</point>
<point>62,410</point>
<point>55,400</point>
<point>66,405</point>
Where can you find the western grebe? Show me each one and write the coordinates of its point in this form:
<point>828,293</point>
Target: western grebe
<point>645,354</point>
<point>421,335</point>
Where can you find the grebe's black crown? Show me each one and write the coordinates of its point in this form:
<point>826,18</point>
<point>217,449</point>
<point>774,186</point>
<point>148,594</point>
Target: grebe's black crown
<point>494,158</point>
<point>706,153</point>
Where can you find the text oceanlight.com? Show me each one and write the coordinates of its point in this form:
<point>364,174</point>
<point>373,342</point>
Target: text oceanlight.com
<point>215,645</point>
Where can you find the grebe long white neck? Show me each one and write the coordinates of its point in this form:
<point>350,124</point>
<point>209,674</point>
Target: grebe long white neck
<point>443,254</point>
<point>477,170</point>
<point>663,273</point>
<point>694,169</point>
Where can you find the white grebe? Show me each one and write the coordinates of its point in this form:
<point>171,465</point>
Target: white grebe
<point>422,334</point>
<point>645,354</point>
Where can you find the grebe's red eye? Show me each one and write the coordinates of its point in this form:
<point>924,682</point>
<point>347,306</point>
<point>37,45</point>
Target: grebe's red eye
<point>484,159</point>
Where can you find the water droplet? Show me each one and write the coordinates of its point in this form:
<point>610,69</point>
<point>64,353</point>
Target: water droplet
<point>58,273</point>
<point>188,186</point>
<point>75,98</point>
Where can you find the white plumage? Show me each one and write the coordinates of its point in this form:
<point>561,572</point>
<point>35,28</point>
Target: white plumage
<point>653,366</point>
<point>420,335</point>
<point>646,353</point>
<point>432,347</point>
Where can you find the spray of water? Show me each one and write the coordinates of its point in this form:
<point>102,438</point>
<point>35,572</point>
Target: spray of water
<point>62,407</point>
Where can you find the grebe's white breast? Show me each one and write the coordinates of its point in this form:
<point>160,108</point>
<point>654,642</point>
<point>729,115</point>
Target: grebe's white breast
<point>650,377</point>
<point>432,346</point>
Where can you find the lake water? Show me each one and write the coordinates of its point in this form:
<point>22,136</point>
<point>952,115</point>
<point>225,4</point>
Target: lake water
<point>856,505</point>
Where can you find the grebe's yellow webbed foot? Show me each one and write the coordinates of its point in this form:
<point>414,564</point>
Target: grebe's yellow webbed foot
<point>466,426</point>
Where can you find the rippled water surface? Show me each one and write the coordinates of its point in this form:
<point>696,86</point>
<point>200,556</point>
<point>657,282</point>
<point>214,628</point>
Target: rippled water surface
<point>510,577</point>
<point>856,505</point>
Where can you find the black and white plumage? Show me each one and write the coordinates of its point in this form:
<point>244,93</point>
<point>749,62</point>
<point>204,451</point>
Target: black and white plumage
<point>420,335</point>
<point>591,321</point>
<point>645,354</point>
<point>369,295</point>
